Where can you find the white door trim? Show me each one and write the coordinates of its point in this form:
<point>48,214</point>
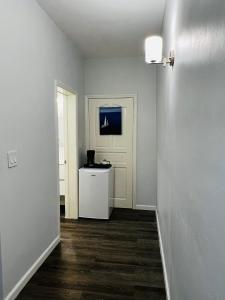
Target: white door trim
<point>72,209</point>
<point>117,96</point>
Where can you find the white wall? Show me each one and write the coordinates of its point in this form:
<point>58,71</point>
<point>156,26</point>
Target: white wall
<point>191,149</point>
<point>131,76</point>
<point>33,54</point>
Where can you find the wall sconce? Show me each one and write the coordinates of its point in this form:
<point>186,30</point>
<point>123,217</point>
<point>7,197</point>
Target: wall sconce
<point>153,52</point>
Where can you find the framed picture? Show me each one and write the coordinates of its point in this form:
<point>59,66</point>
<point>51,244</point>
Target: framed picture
<point>110,120</point>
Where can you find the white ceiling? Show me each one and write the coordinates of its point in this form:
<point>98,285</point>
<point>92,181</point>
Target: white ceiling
<point>107,28</point>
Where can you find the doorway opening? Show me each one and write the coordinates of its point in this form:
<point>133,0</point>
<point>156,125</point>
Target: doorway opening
<point>67,129</point>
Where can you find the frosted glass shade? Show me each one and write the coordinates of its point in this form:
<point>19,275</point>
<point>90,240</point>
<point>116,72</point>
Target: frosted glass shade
<point>153,49</point>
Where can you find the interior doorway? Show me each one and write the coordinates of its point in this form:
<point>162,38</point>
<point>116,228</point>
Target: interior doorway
<point>67,130</point>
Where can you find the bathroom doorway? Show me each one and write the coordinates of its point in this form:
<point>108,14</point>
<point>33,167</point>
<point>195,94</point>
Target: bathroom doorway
<point>67,128</point>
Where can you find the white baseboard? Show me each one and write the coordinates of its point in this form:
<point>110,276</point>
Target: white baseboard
<point>167,286</point>
<point>145,207</point>
<point>33,269</point>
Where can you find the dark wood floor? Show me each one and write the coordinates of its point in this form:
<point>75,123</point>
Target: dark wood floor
<point>103,260</point>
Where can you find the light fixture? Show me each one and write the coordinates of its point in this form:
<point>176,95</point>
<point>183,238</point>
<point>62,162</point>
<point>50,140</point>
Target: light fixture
<point>153,52</point>
<point>153,49</point>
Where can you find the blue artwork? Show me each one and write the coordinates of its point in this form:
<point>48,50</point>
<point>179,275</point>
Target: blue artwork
<point>110,120</point>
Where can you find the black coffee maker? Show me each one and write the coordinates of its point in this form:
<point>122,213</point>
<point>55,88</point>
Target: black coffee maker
<point>91,161</point>
<point>90,158</point>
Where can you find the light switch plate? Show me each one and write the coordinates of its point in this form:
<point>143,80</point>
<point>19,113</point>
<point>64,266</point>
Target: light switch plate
<point>12,158</point>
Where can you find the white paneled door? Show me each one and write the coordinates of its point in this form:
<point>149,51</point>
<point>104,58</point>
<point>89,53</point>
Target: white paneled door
<point>118,149</point>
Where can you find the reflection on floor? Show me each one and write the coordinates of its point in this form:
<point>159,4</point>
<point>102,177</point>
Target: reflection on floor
<point>103,260</point>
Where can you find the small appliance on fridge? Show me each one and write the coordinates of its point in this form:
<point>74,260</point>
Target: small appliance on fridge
<point>104,164</point>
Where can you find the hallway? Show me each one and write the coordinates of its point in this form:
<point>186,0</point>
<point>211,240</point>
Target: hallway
<point>142,84</point>
<point>103,260</point>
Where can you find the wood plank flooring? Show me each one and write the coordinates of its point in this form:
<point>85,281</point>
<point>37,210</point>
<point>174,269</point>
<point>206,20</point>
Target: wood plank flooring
<point>103,260</point>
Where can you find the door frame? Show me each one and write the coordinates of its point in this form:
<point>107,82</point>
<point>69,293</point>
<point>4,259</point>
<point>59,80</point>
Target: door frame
<point>134,164</point>
<point>73,161</point>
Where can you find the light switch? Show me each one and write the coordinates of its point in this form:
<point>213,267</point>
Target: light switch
<point>12,159</point>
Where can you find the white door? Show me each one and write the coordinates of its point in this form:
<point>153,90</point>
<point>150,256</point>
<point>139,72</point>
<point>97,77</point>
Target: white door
<point>62,141</point>
<point>118,149</point>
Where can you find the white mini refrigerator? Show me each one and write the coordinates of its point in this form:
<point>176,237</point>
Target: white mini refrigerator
<point>96,187</point>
